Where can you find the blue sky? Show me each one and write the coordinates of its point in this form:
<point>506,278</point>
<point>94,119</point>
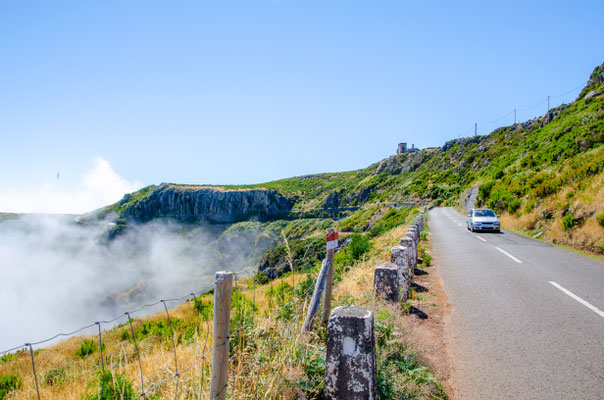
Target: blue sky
<point>249,91</point>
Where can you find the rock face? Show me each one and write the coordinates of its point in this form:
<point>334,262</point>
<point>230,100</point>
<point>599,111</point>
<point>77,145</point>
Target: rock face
<point>593,93</point>
<point>213,205</point>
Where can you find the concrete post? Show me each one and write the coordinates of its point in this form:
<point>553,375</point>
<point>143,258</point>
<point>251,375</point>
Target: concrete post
<point>386,282</point>
<point>399,256</point>
<point>410,244</point>
<point>412,232</point>
<point>350,371</point>
<point>220,353</point>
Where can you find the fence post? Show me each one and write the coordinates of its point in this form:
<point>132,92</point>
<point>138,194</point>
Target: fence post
<point>409,243</point>
<point>350,371</point>
<point>386,282</point>
<point>313,307</point>
<point>332,243</point>
<point>399,256</point>
<point>220,354</point>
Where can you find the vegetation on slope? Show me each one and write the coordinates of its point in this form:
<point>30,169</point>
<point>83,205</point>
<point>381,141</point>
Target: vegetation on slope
<point>545,175</point>
<point>268,356</point>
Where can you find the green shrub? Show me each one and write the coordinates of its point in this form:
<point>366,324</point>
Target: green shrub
<point>359,245</point>
<point>205,308</point>
<point>262,278</point>
<point>242,310</point>
<point>484,191</point>
<point>305,287</point>
<point>157,328</point>
<point>114,387</point>
<point>9,383</point>
<point>393,218</point>
<point>55,376</point>
<point>567,222</point>
<point>87,348</point>
<point>125,335</point>
<point>284,294</point>
<point>600,218</point>
<point>8,358</point>
<point>513,205</point>
<point>427,259</point>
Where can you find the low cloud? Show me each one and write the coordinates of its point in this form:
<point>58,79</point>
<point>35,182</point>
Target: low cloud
<point>98,187</point>
<point>58,275</point>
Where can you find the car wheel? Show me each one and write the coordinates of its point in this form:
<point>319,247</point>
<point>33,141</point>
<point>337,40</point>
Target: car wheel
<point>472,229</point>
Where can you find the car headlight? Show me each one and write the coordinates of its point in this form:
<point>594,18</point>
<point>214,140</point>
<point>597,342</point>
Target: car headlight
<point>496,223</point>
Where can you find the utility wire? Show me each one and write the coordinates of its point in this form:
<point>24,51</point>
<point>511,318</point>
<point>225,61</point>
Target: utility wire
<point>497,119</point>
<point>570,91</point>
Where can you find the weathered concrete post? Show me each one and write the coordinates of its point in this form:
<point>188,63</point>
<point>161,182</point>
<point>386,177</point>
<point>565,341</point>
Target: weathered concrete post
<point>350,365</point>
<point>399,257</point>
<point>409,243</point>
<point>332,237</point>
<point>414,234</point>
<point>386,282</point>
<point>220,353</point>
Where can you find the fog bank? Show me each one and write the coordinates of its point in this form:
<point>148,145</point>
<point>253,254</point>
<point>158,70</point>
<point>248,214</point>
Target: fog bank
<point>58,275</point>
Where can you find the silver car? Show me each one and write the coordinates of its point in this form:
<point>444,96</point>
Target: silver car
<point>482,219</point>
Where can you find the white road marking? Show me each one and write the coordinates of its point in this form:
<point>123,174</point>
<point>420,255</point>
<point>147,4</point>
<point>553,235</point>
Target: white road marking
<point>509,255</point>
<point>580,300</point>
<point>460,225</point>
<point>483,239</point>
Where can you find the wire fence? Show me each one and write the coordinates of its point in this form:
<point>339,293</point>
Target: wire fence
<point>490,125</point>
<point>178,371</point>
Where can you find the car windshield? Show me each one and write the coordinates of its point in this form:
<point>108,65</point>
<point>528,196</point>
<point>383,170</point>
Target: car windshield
<point>484,213</point>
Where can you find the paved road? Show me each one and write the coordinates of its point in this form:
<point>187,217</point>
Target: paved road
<point>527,318</point>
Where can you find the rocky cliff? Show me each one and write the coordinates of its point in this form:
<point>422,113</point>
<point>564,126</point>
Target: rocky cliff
<point>217,205</point>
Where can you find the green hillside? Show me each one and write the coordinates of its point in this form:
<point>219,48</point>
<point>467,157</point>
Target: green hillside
<point>543,175</point>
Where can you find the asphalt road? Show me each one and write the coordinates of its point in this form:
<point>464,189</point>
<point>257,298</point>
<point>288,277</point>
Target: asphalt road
<point>527,319</point>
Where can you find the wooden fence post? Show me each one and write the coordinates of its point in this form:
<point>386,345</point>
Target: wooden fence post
<point>332,243</point>
<point>313,307</point>
<point>220,354</point>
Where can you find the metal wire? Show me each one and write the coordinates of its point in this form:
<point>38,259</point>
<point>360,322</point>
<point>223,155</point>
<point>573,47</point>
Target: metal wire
<point>13,349</point>
<point>497,119</point>
<point>531,107</point>
<point>570,91</point>
<point>110,321</point>
<point>63,334</point>
<point>178,373</point>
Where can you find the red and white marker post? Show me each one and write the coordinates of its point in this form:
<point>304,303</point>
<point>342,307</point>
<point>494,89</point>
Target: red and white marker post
<point>332,240</point>
<point>332,243</point>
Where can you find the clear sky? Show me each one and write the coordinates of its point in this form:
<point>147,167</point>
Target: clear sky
<point>113,95</point>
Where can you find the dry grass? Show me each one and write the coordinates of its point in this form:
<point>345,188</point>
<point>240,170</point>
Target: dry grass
<point>270,359</point>
<point>585,201</point>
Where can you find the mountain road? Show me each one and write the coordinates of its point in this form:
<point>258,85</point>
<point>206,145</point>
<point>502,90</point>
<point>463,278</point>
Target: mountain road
<point>527,317</point>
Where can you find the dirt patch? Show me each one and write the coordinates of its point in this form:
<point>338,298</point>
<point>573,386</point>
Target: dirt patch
<point>427,334</point>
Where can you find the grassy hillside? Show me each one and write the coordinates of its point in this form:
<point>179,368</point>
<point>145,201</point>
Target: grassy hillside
<point>544,175</point>
<point>269,359</point>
